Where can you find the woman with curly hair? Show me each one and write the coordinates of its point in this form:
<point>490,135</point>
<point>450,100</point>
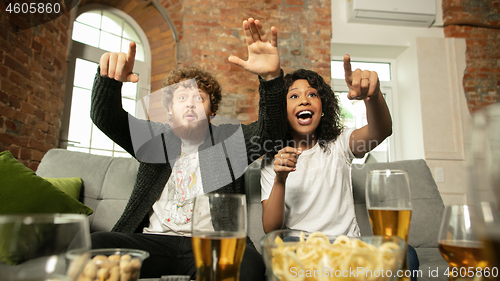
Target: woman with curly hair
<point>313,192</point>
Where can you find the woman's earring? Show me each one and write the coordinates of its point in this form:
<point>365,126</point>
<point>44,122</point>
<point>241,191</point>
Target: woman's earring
<point>322,114</point>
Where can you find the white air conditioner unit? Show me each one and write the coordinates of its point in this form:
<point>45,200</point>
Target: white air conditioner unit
<point>420,13</point>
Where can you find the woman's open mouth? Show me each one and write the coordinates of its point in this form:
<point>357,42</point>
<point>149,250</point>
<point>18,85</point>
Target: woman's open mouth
<point>304,117</point>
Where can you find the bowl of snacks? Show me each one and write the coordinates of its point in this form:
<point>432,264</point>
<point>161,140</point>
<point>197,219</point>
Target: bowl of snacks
<point>110,264</point>
<point>296,255</point>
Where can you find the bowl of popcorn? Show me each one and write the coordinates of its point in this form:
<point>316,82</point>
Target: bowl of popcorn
<point>296,255</point>
<point>110,264</point>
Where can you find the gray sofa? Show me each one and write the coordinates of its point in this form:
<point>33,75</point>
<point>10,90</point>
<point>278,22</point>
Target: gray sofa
<point>108,182</point>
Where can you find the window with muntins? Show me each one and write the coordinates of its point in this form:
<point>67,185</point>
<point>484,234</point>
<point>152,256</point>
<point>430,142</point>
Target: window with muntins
<point>94,33</point>
<point>354,111</point>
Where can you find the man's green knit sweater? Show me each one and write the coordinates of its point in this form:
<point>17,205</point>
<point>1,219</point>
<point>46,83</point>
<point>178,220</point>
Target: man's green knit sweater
<point>259,137</point>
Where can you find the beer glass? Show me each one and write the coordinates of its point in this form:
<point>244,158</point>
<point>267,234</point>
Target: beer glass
<point>219,231</point>
<point>388,200</point>
<point>484,181</point>
<point>458,244</point>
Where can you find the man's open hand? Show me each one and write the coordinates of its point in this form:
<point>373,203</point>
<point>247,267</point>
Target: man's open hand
<point>263,57</point>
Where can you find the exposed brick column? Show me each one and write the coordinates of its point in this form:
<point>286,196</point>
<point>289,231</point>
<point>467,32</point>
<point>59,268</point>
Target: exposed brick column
<point>32,83</point>
<point>477,21</point>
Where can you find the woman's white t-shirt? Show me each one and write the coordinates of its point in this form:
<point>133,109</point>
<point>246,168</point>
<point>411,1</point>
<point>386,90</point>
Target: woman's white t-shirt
<point>318,195</point>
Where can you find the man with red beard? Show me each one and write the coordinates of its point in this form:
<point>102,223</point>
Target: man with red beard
<point>189,156</point>
<point>190,113</point>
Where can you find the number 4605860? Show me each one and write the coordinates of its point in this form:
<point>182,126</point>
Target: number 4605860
<point>33,8</point>
<point>471,272</point>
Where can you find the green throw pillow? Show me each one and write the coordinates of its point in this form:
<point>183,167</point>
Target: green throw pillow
<point>70,186</point>
<point>22,192</point>
<point>21,242</point>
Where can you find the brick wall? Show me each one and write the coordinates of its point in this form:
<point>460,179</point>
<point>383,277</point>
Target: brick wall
<point>32,84</point>
<point>478,21</point>
<point>212,31</point>
<point>33,62</point>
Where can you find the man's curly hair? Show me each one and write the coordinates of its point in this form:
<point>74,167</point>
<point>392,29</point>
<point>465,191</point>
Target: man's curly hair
<point>330,126</point>
<point>204,80</point>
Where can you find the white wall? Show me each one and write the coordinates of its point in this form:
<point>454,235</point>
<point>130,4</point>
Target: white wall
<point>421,74</point>
<point>398,44</point>
<point>447,121</point>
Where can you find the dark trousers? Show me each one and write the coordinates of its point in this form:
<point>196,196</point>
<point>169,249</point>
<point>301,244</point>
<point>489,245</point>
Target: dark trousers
<point>413,263</point>
<point>173,255</point>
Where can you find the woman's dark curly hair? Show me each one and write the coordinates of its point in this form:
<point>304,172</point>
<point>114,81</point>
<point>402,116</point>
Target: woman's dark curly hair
<point>204,80</point>
<point>330,126</point>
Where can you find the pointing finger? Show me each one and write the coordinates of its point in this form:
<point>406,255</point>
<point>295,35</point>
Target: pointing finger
<point>131,51</point>
<point>347,68</point>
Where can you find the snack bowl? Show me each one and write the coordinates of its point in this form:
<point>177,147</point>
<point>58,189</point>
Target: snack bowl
<point>110,264</point>
<point>296,255</point>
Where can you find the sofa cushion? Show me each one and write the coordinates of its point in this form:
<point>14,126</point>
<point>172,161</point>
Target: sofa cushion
<point>22,191</point>
<point>427,204</point>
<point>70,186</point>
<point>107,182</point>
<point>432,264</point>
<point>254,207</point>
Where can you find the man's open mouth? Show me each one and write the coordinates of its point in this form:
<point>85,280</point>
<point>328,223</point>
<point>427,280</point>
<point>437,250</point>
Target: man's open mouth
<point>304,117</point>
<point>190,116</point>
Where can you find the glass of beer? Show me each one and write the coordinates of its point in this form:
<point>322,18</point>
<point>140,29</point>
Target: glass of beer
<point>388,200</point>
<point>458,244</point>
<point>484,181</point>
<point>219,231</point>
